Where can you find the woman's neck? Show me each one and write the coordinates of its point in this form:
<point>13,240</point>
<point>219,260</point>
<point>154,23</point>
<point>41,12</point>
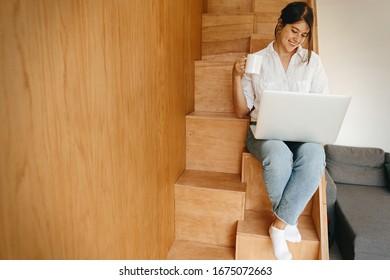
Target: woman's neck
<point>283,54</point>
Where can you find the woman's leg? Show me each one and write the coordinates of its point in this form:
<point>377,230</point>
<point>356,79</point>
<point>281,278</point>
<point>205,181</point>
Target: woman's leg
<point>277,160</point>
<point>308,167</point>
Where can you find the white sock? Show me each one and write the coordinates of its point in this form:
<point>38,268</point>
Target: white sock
<point>292,234</point>
<point>279,243</point>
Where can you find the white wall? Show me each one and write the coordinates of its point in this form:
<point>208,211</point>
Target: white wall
<point>354,44</point>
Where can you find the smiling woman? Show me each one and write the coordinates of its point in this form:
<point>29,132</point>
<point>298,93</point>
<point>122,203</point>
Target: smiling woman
<point>293,15</point>
<point>291,170</point>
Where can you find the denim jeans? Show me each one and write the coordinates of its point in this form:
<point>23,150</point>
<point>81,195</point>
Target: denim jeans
<point>291,172</point>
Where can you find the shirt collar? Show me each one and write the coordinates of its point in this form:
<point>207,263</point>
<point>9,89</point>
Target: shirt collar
<point>300,51</point>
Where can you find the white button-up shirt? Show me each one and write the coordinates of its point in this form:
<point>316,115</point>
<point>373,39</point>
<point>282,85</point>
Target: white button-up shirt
<point>300,76</point>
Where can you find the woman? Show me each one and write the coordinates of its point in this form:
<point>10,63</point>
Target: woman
<point>291,170</point>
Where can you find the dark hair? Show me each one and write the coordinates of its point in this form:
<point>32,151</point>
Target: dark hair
<point>294,12</point>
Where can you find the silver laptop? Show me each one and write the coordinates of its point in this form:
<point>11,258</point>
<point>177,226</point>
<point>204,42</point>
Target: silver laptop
<point>300,117</point>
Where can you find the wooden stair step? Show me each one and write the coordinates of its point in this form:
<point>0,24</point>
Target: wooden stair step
<point>211,180</point>
<point>222,27</point>
<point>208,206</point>
<point>269,6</point>
<point>253,241</point>
<point>229,6</point>
<point>187,250</point>
<point>264,28</point>
<point>229,56</point>
<point>213,86</point>
<point>215,141</point>
<point>223,33</point>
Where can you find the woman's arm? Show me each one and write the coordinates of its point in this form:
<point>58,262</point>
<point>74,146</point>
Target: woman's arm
<point>238,95</point>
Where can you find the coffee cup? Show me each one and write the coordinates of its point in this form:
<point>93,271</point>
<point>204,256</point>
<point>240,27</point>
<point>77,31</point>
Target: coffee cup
<point>253,64</point>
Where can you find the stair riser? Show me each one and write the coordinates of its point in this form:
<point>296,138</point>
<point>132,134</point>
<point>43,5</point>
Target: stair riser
<point>187,250</point>
<point>229,6</point>
<point>213,87</point>
<point>208,216</point>
<point>275,6</point>
<point>260,248</point>
<point>226,33</point>
<point>231,46</point>
<point>215,145</point>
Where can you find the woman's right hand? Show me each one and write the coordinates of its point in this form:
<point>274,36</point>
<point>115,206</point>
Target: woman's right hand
<point>239,66</point>
<point>238,95</point>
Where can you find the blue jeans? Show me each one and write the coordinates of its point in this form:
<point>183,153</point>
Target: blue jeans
<point>291,172</point>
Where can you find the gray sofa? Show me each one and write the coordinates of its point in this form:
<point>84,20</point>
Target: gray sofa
<point>359,218</point>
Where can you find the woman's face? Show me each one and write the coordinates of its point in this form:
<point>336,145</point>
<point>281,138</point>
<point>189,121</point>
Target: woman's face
<point>293,35</point>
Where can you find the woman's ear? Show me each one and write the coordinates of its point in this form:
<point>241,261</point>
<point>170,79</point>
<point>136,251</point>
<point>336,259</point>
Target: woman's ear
<point>279,26</point>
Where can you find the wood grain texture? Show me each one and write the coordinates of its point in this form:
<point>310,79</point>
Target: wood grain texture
<point>215,141</point>
<point>187,250</point>
<point>213,86</point>
<point>321,223</point>
<point>222,33</point>
<point>270,5</point>
<point>208,215</point>
<point>229,6</point>
<point>93,98</point>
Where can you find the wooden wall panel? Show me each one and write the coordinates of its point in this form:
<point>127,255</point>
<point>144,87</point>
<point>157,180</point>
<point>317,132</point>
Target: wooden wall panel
<point>93,98</point>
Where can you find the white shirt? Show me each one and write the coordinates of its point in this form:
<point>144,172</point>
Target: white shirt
<point>300,76</point>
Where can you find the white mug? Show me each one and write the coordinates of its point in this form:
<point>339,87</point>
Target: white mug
<point>253,64</point>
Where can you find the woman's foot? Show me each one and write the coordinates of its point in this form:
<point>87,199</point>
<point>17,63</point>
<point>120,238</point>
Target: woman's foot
<point>279,243</point>
<point>292,234</point>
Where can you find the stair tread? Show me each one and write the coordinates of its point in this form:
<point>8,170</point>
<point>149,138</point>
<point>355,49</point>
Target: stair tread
<point>231,116</point>
<point>212,180</point>
<point>229,56</point>
<point>215,62</point>
<point>256,223</point>
<point>188,250</point>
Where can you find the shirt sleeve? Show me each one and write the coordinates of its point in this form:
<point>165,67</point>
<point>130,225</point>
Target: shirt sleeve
<point>248,91</point>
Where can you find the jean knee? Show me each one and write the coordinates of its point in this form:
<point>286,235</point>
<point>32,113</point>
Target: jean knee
<point>277,162</point>
<point>313,154</point>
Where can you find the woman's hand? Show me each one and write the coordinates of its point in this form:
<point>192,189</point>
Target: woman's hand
<point>239,66</point>
<point>239,100</point>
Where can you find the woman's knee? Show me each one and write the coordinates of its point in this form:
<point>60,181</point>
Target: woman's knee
<point>276,155</point>
<point>312,153</point>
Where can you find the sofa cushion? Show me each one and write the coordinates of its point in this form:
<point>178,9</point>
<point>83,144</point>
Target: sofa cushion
<point>366,225</point>
<point>356,165</point>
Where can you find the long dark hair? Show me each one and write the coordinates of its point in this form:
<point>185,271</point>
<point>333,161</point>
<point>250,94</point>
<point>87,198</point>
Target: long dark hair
<point>294,12</point>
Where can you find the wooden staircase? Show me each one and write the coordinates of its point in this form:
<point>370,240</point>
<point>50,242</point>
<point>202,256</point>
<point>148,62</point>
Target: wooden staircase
<point>222,210</point>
